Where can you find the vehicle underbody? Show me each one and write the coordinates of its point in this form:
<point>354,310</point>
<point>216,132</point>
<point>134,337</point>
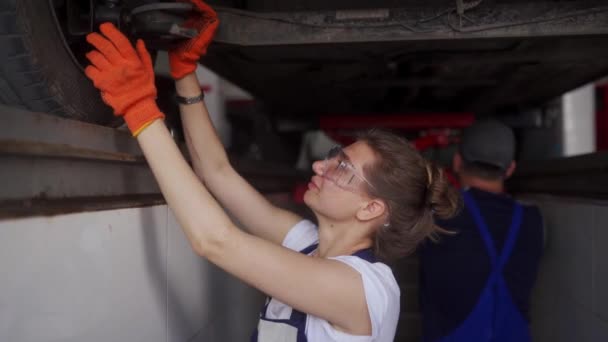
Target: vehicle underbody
<point>304,59</point>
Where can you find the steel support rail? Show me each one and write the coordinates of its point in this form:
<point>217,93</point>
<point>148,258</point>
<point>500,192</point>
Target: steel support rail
<point>51,165</point>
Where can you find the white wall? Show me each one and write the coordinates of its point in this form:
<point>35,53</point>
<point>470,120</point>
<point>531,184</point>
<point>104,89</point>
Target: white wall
<point>578,118</point>
<point>120,275</point>
<point>570,302</point>
<point>215,102</point>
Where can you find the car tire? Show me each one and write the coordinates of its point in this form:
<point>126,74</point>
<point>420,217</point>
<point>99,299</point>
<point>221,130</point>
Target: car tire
<point>37,69</point>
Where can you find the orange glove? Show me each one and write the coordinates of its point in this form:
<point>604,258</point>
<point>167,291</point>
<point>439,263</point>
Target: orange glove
<point>124,76</point>
<point>184,57</point>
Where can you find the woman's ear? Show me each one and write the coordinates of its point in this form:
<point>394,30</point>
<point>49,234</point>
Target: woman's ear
<point>371,210</point>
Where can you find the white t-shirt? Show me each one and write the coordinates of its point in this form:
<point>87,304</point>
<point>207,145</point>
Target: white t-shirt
<point>381,293</point>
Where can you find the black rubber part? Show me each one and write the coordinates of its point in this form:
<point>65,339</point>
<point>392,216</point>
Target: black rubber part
<point>37,71</point>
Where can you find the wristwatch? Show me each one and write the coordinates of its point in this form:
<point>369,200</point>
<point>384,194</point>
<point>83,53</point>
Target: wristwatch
<point>189,100</point>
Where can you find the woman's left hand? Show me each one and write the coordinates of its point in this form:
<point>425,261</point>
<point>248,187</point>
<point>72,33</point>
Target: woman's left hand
<point>183,58</point>
<point>125,77</point>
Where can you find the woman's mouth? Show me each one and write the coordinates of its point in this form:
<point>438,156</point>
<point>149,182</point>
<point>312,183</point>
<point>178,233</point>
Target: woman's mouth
<point>312,185</point>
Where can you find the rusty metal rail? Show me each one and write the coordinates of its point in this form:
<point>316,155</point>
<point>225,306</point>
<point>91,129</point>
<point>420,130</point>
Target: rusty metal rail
<point>500,20</point>
<point>51,165</point>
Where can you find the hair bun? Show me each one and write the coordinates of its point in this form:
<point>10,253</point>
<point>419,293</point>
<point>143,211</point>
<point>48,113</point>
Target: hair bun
<point>442,198</point>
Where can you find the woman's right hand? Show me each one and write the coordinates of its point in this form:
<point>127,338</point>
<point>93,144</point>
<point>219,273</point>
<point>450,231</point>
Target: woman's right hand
<point>184,57</point>
<point>125,77</point>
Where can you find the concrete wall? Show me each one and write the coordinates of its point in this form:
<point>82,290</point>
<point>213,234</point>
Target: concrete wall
<point>130,275</point>
<point>570,301</point>
<point>121,275</point>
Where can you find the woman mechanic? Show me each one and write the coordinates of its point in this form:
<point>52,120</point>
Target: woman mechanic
<point>374,201</point>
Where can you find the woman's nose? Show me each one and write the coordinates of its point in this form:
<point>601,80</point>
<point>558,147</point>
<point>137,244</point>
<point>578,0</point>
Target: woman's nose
<point>318,167</point>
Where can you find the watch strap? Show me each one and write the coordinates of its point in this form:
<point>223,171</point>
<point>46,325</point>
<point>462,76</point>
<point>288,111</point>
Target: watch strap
<point>189,100</point>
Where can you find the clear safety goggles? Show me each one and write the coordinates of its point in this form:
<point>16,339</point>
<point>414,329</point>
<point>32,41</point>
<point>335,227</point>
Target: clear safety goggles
<point>339,170</point>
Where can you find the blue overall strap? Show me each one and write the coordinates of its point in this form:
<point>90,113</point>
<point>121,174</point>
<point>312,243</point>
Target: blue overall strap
<point>297,318</point>
<point>509,244</point>
<point>309,249</point>
<point>495,317</point>
<point>366,254</point>
<point>471,205</point>
<point>497,262</point>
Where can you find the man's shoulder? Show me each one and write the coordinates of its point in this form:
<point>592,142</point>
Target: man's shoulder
<point>529,207</point>
<point>533,225</point>
<point>532,211</point>
<point>532,216</point>
<point>495,208</point>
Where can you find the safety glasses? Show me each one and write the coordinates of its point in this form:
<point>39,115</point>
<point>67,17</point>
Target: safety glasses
<point>339,170</point>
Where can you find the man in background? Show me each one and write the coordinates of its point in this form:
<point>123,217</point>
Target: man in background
<point>476,284</point>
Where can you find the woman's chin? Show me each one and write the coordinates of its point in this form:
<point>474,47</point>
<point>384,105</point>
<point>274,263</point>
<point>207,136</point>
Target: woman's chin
<point>309,199</point>
<point>306,197</point>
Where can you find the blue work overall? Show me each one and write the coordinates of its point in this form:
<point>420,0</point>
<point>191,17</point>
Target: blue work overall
<point>495,317</point>
<point>297,319</point>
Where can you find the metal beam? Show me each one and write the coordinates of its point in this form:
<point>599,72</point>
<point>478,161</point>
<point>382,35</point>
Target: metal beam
<point>51,165</point>
<point>517,19</point>
<point>582,176</point>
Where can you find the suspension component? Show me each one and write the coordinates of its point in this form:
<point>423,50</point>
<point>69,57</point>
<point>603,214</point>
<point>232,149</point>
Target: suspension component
<point>158,24</point>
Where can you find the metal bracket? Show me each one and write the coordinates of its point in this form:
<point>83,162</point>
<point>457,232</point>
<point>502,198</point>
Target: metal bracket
<point>160,24</point>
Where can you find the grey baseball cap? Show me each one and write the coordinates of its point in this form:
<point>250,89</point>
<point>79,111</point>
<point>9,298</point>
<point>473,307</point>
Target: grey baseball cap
<point>489,142</point>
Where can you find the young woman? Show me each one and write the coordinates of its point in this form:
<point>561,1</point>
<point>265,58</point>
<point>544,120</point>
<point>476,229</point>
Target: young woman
<point>374,201</point>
